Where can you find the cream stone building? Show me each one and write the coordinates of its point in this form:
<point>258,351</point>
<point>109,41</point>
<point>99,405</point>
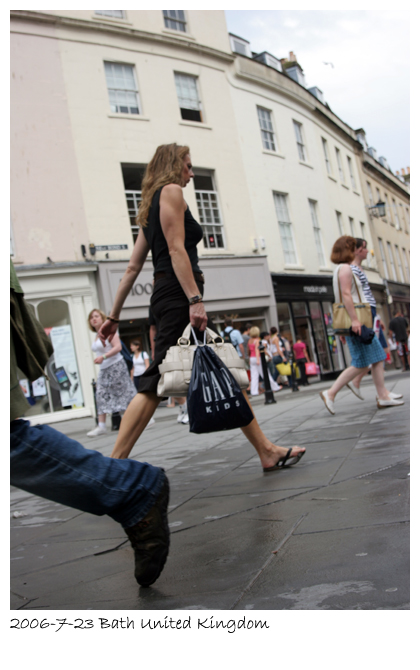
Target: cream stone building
<point>390,227</point>
<point>93,93</point>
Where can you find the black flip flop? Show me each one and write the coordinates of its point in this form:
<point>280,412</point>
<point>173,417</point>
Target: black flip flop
<point>282,463</point>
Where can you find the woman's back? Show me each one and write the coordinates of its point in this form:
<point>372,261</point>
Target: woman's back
<point>252,344</point>
<point>357,293</point>
<point>156,239</point>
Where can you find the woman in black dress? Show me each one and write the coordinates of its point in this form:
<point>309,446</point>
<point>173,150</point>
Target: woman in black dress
<point>168,229</point>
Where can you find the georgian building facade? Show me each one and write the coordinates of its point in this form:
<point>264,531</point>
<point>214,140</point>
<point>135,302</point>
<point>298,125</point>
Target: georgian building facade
<point>278,176</point>
<point>390,228</point>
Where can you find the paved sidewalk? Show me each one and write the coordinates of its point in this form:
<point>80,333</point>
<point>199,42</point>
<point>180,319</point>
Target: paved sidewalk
<point>330,533</point>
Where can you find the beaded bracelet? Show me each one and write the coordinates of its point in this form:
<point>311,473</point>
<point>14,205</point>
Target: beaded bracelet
<point>110,318</point>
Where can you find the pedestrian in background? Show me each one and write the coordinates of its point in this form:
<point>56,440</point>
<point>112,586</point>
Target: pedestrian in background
<point>393,349</point>
<point>140,361</point>
<point>302,357</point>
<point>245,336</point>
<point>360,255</point>
<point>114,387</point>
<point>362,355</point>
<point>255,363</point>
<point>277,353</point>
<point>399,325</point>
<point>234,336</point>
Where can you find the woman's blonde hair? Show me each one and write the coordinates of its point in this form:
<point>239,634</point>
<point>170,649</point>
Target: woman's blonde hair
<point>103,315</point>
<point>165,168</point>
<point>254,332</point>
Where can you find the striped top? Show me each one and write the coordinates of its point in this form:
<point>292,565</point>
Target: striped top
<point>365,284</point>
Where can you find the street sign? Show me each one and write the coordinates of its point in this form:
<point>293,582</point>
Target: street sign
<point>110,247</point>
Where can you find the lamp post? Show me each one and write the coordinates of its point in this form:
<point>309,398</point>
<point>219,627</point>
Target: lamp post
<point>379,208</point>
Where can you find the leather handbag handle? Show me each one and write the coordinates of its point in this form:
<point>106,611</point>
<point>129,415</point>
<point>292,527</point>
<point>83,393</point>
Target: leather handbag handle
<point>186,335</point>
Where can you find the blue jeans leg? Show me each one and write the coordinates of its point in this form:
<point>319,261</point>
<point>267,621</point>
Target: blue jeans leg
<point>49,464</point>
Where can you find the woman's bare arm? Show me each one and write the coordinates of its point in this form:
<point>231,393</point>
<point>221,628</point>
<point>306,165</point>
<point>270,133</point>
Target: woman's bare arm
<point>134,267</point>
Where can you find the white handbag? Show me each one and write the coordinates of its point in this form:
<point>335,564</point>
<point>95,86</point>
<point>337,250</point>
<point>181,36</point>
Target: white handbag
<point>175,370</point>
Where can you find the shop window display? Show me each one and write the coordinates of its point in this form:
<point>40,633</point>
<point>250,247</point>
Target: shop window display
<point>62,390</point>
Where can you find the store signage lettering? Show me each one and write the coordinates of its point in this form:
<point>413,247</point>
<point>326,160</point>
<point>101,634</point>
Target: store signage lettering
<point>110,247</point>
<point>140,289</point>
<point>315,289</point>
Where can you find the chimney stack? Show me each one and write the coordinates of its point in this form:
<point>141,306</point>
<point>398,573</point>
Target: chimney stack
<point>292,57</point>
<point>402,171</point>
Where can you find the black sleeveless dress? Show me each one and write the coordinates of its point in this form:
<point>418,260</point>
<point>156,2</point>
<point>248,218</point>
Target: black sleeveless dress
<point>169,303</point>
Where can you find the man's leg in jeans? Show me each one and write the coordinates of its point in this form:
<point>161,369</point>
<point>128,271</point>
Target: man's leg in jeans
<point>49,464</point>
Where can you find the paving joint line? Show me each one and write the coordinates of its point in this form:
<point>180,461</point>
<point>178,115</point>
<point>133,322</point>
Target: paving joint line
<point>269,560</point>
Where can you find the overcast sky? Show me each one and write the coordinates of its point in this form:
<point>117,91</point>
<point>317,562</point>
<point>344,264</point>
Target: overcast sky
<point>368,87</point>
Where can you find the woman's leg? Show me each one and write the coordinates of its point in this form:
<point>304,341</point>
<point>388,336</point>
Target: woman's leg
<point>135,419</point>
<point>346,376</point>
<point>379,380</point>
<point>302,370</point>
<point>101,418</point>
<point>358,379</point>
<point>273,385</point>
<point>269,453</point>
<point>254,376</point>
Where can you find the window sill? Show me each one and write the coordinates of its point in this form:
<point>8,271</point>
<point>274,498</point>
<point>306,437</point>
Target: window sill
<point>356,192</point>
<point>195,124</point>
<point>273,153</point>
<point>324,269</point>
<point>306,164</point>
<point>332,178</point>
<point>345,186</point>
<point>179,33</point>
<point>291,266</point>
<point>217,251</point>
<point>392,223</point>
<point>112,20</point>
<point>132,117</point>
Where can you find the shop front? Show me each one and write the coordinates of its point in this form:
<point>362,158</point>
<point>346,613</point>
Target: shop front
<point>304,309</point>
<point>400,299</point>
<point>238,287</point>
<point>62,295</point>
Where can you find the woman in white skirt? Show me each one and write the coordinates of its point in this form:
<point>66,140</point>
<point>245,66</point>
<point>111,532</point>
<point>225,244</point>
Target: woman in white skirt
<point>114,388</point>
<point>140,362</point>
<point>255,362</point>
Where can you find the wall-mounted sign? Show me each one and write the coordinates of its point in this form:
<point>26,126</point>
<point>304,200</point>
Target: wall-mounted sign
<point>142,289</point>
<point>315,289</point>
<point>110,247</point>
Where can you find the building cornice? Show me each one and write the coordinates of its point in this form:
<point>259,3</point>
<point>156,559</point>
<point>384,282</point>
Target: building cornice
<point>379,172</point>
<point>264,75</point>
<point>98,27</point>
<point>327,117</point>
<point>56,268</point>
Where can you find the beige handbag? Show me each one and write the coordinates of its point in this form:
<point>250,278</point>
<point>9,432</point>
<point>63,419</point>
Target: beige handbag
<point>175,370</point>
<point>341,319</point>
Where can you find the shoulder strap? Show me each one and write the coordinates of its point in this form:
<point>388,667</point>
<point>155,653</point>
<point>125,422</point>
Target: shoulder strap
<point>353,280</point>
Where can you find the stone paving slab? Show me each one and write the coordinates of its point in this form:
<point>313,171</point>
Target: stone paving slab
<point>348,569</point>
<point>338,521</point>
